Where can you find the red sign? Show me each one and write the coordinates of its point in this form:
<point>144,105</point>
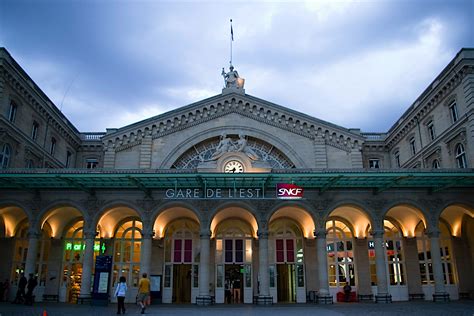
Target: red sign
<point>289,191</point>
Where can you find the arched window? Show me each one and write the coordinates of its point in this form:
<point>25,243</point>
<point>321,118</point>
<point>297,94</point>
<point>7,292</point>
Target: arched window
<point>394,254</point>
<point>73,255</point>
<point>128,242</point>
<point>435,164</point>
<point>460,156</point>
<point>424,255</point>
<point>396,156</point>
<point>340,254</point>
<point>21,252</point>
<point>5,156</point>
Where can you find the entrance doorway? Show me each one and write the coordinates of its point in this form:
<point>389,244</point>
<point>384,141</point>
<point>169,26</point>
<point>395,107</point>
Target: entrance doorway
<point>182,283</point>
<point>234,281</point>
<point>286,283</point>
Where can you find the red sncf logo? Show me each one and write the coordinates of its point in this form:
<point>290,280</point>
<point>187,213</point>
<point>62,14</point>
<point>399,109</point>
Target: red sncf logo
<point>289,191</point>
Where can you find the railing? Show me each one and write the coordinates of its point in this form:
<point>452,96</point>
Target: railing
<point>374,136</point>
<point>92,136</point>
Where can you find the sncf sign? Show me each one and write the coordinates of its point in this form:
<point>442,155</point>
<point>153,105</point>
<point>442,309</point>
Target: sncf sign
<point>288,191</point>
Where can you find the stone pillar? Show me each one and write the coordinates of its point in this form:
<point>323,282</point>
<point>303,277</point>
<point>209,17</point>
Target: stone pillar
<point>412,265</point>
<point>30,265</point>
<point>145,255</point>
<point>204,298</point>
<point>87,263</point>
<point>323,293</point>
<point>440,294</point>
<point>264,295</point>
<point>361,258</point>
<point>382,286</point>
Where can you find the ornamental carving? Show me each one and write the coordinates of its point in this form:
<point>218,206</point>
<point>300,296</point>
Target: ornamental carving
<point>213,148</point>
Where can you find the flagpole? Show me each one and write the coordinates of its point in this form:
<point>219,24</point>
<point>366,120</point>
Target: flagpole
<point>231,40</point>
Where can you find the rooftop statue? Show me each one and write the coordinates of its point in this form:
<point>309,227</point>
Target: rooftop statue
<point>232,79</point>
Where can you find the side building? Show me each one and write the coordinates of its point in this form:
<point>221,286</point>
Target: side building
<point>192,197</point>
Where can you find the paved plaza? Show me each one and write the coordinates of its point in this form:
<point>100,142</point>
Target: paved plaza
<point>367,309</point>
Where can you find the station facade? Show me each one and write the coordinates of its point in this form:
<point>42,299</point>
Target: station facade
<point>192,197</point>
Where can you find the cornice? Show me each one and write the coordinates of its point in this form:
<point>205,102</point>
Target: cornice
<point>441,89</point>
<point>33,95</point>
<point>220,106</point>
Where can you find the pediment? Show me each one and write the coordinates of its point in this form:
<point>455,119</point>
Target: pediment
<point>245,105</point>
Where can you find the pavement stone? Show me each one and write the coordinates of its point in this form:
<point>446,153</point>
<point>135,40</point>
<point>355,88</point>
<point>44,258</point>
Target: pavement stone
<point>365,309</point>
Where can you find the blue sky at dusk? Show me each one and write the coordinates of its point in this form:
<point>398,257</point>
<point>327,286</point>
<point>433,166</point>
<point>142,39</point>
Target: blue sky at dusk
<point>353,63</point>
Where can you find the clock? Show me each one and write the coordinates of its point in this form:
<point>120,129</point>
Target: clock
<point>233,166</point>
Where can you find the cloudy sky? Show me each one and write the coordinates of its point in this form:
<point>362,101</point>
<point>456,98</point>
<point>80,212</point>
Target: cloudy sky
<point>109,63</point>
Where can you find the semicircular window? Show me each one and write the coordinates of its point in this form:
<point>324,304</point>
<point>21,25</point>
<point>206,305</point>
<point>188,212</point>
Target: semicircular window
<point>203,152</point>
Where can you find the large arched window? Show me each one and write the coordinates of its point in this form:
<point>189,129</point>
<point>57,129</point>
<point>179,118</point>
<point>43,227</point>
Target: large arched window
<point>394,254</point>
<point>73,255</point>
<point>127,251</point>
<point>21,251</point>
<point>5,155</point>
<point>424,255</point>
<point>460,156</point>
<point>340,254</point>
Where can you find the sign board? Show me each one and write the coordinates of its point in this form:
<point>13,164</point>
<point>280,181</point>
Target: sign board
<point>100,290</point>
<point>288,191</point>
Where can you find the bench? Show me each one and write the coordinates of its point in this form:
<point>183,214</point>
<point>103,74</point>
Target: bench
<point>205,300</point>
<point>84,298</point>
<point>324,299</point>
<point>341,297</point>
<point>387,298</point>
<point>50,298</point>
<point>263,300</point>
<point>441,297</point>
<point>416,296</point>
<point>464,296</point>
<point>365,297</point>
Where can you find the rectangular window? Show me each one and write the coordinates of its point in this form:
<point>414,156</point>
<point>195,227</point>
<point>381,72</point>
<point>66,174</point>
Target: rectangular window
<point>239,250</point>
<point>167,282</point>
<point>397,159</point>
<point>300,275</point>
<point>374,163</point>
<point>195,275</point>
<point>453,111</point>
<point>177,250</point>
<point>412,146</point>
<point>271,271</point>
<point>52,149</point>
<point>91,163</point>
<point>12,112</point>
<point>68,158</point>
<point>290,251</point>
<point>228,250</point>
<point>280,257</point>
<point>431,131</point>
<point>34,130</point>
<point>188,250</point>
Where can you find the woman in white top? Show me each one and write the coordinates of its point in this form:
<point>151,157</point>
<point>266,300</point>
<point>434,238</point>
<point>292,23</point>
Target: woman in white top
<point>120,293</point>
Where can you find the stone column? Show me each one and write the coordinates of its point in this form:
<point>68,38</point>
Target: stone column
<point>32,254</point>
<point>87,263</point>
<point>440,294</point>
<point>323,293</point>
<point>382,286</point>
<point>145,255</point>
<point>264,294</point>
<point>204,298</point>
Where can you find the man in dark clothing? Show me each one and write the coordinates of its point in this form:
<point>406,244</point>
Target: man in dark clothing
<point>32,283</point>
<point>20,294</point>
<point>347,292</point>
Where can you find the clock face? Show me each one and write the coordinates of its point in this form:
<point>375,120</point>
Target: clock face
<point>233,166</point>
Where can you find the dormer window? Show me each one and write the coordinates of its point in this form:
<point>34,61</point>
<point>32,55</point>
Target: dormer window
<point>92,163</point>
<point>435,164</point>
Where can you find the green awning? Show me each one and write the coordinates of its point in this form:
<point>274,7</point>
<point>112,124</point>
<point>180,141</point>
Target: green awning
<point>145,180</point>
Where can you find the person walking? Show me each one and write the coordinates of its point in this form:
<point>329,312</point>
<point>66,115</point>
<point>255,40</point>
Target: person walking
<point>143,292</point>
<point>20,293</point>
<point>347,292</point>
<point>32,283</point>
<point>120,293</point>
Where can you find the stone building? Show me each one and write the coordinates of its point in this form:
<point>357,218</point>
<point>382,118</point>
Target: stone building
<point>208,198</point>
